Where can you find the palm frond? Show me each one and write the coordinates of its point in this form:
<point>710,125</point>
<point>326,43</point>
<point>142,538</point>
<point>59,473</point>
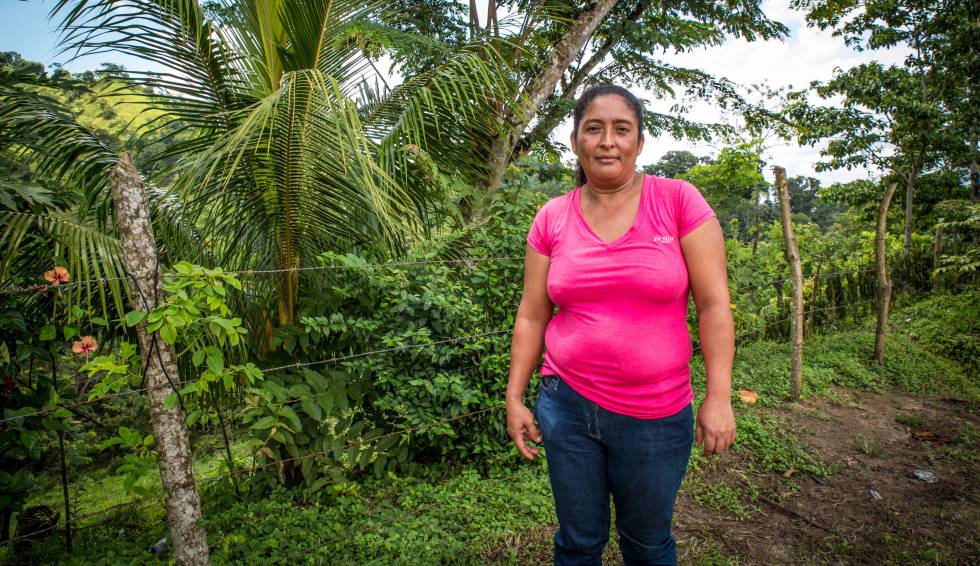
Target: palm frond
<point>94,256</point>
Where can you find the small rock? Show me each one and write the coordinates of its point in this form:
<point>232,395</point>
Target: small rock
<point>925,476</point>
<point>875,495</point>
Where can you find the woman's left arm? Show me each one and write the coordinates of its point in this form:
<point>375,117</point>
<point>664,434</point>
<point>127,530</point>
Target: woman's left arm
<point>704,253</point>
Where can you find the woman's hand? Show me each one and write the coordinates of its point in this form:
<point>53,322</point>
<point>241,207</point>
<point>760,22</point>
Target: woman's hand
<point>521,428</point>
<point>715,428</point>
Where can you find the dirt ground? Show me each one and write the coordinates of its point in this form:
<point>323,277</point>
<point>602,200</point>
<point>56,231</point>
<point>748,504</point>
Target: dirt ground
<point>871,510</point>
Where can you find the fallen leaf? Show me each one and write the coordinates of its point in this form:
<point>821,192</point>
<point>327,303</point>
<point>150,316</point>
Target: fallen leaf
<point>927,435</point>
<point>789,473</point>
<point>748,396</point>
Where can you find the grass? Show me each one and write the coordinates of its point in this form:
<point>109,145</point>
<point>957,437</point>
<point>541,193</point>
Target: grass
<point>870,447</point>
<point>910,420</point>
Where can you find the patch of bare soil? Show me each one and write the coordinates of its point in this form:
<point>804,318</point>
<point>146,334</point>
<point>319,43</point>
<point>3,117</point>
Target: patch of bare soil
<point>873,509</point>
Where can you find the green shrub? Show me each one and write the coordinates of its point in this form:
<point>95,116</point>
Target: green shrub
<point>419,375</point>
<point>946,324</point>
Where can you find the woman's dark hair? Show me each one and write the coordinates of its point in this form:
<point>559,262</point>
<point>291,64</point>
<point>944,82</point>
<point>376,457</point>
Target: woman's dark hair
<point>591,94</point>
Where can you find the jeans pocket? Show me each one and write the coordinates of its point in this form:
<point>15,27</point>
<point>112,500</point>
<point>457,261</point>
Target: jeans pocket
<point>549,383</point>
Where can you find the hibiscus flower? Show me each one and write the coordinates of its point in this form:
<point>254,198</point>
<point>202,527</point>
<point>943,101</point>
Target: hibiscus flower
<point>57,276</point>
<point>85,346</point>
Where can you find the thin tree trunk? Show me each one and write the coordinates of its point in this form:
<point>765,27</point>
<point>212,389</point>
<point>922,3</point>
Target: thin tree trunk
<point>884,283</point>
<point>228,455</point>
<point>474,24</point>
<point>541,87</point>
<point>159,360</point>
<point>909,190</point>
<point>493,29</point>
<point>936,252</point>
<point>974,168</point>
<point>64,489</point>
<point>547,122</point>
<point>64,461</point>
<point>5,516</point>
<point>793,258</point>
<point>755,226</point>
<point>812,324</point>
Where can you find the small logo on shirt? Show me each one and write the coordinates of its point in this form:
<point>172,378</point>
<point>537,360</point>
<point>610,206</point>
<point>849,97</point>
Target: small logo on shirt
<point>663,239</point>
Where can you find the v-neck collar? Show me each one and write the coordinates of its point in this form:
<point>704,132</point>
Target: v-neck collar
<point>637,218</point>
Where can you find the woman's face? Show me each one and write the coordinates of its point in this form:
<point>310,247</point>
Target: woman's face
<point>608,141</point>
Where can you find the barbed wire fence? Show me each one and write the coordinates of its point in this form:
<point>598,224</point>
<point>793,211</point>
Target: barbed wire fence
<point>175,386</point>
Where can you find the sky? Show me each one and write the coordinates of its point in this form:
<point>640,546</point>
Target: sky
<point>807,54</point>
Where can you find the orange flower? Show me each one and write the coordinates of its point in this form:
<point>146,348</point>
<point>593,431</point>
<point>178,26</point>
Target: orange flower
<point>85,346</point>
<point>57,276</point>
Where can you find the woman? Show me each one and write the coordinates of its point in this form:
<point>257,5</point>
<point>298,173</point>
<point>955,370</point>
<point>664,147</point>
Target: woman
<point>618,256</point>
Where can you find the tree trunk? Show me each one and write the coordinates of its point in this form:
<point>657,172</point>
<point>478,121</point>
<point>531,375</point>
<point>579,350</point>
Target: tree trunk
<point>64,460</point>
<point>793,258</point>
<point>812,324</point>
<point>548,121</point>
<point>541,87</point>
<point>159,361</point>
<point>64,489</point>
<point>884,283</point>
<point>974,168</point>
<point>228,455</point>
<point>936,252</point>
<point>755,221</point>
<point>909,190</point>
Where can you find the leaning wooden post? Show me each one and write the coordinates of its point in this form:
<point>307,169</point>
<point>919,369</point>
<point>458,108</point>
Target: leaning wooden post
<point>884,282</point>
<point>793,258</point>
<point>188,538</point>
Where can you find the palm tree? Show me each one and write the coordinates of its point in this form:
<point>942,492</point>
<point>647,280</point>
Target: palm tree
<point>280,147</point>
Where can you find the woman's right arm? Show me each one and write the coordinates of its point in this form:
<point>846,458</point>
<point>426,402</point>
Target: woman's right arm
<point>526,347</point>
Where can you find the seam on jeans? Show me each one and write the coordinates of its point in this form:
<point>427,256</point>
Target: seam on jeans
<point>593,422</point>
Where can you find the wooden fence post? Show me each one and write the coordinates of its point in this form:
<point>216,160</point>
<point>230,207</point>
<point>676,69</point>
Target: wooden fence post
<point>793,258</point>
<point>884,282</point>
<point>187,537</point>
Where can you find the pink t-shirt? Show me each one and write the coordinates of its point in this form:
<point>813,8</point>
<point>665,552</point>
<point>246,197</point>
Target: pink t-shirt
<point>620,336</point>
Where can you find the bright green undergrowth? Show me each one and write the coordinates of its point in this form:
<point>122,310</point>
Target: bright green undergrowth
<point>459,520</point>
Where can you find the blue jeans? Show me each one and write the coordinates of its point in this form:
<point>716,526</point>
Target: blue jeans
<point>593,452</point>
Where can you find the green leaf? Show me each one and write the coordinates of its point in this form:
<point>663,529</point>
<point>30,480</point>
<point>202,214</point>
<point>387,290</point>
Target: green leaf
<point>69,332</point>
<point>197,358</point>
<point>290,414</point>
<point>312,409</point>
<point>325,401</point>
<point>48,332</point>
<point>134,317</point>
<point>130,436</point>
<point>99,321</point>
<point>264,423</point>
<point>170,401</point>
<point>216,362</point>
<point>168,333</point>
